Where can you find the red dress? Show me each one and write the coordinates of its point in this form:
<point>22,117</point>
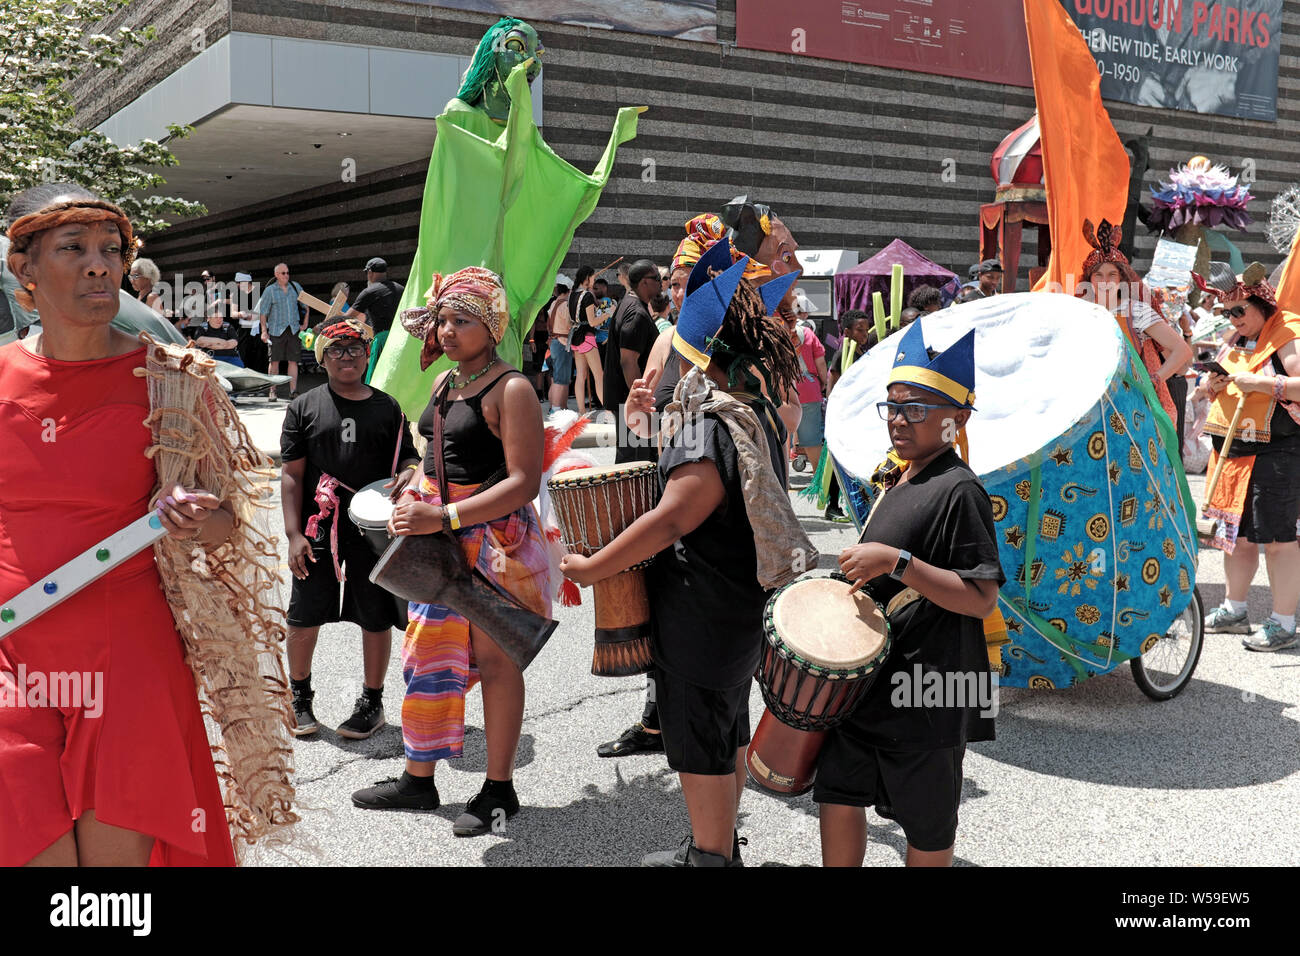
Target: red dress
<point>73,471</point>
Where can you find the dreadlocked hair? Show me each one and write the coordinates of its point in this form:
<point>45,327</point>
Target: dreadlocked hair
<point>751,337</point>
<point>483,66</point>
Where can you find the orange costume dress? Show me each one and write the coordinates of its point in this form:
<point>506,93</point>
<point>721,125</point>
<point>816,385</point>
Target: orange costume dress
<point>135,751</point>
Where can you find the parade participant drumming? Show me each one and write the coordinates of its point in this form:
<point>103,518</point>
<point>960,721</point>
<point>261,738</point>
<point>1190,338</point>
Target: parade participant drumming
<point>492,459</point>
<point>338,438</point>
<point>723,532</point>
<point>933,535</point>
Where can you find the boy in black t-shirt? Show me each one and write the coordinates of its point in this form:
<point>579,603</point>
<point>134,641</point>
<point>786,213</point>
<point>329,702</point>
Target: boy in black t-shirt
<point>338,438</point>
<point>928,554</point>
<point>706,599</point>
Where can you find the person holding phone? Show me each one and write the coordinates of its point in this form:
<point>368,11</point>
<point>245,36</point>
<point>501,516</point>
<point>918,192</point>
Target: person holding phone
<point>1256,500</point>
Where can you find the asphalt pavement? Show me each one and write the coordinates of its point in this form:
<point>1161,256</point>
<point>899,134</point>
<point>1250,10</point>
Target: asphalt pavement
<point>1092,775</point>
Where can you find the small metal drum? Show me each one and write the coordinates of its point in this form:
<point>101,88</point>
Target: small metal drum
<point>824,648</point>
<point>592,507</point>
<point>369,511</point>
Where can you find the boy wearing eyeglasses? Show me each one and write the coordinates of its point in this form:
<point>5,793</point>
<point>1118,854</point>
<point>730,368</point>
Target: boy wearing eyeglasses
<point>929,556</point>
<point>338,438</point>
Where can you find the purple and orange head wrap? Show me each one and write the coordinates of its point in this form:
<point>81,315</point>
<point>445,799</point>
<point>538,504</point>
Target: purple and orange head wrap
<point>475,291</point>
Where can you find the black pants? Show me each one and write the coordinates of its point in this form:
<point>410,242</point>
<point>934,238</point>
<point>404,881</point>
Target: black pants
<point>252,350</point>
<point>1178,392</point>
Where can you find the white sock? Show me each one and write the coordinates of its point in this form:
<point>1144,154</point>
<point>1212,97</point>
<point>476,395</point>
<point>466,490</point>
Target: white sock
<point>1286,620</point>
<point>1236,607</point>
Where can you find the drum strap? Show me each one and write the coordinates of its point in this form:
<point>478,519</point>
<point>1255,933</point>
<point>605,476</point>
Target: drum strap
<point>904,598</point>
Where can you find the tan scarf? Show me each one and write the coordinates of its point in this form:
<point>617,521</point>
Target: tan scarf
<point>784,550</point>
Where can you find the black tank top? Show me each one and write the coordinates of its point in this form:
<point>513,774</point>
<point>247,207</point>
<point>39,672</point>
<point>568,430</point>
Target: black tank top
<point>471,453</point>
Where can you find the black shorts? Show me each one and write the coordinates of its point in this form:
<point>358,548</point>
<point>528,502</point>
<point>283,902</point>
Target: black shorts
<point>921,789</point>
<point>1272,499</point>
<point>702,728</point>
<point>314,601</point>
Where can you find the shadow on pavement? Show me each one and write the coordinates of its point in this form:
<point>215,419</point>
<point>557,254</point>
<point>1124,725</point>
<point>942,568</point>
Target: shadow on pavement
<point>1211,736</point>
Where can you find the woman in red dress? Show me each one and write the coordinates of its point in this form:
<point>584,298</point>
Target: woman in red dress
<point>122,776</point>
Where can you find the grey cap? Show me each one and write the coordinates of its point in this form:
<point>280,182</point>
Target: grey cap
<point>376,265</point>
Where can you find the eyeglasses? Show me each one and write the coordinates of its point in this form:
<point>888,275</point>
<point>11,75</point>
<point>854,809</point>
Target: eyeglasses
<point>340,351</point>
<point>913,412</point>
<point>1236,312</point>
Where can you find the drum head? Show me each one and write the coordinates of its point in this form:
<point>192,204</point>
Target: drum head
<point>595,475</point>
<point>823,623</point>
<point>370,506</point>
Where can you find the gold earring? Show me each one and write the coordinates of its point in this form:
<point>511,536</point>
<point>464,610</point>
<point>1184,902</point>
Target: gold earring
<point>31,286</point>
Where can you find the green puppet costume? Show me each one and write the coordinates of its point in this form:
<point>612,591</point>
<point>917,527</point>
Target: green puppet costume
<point>496,196</point>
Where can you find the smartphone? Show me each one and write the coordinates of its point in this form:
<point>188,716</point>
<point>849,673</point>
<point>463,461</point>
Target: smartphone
<point>1214,367</point>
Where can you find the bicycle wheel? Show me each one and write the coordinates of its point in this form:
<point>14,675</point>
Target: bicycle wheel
<point>1167,666</point>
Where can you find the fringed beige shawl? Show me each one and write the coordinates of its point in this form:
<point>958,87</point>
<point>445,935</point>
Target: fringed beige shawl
<point>225,601</point>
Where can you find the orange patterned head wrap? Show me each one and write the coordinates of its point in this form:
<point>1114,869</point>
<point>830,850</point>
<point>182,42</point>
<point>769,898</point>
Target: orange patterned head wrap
<point>701,233</point>
<point>475,291</point>
<point>26,228</point>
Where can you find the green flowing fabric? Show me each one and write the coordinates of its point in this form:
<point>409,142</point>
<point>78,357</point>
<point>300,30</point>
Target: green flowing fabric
<point>498,198</point>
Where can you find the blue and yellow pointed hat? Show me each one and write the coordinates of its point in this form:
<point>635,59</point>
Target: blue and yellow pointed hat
<point>709,290</point>
<point>951,373</point>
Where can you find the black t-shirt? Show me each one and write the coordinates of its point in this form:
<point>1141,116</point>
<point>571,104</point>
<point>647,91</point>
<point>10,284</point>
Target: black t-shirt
<point>833,362</point>
<point>227,332</point>
<point>706,604</point>
<point>378,301</point>
<point>630,328</point>
<point>944,518</point>
<point>351,440</point>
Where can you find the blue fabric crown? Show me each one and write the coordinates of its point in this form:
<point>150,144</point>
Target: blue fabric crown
<point>951,373</point>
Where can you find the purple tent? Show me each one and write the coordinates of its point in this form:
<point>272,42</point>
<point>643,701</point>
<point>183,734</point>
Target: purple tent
<point>853,288</point>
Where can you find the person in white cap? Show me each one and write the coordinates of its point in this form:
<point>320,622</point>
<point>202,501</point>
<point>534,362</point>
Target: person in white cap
<point>251,349</point>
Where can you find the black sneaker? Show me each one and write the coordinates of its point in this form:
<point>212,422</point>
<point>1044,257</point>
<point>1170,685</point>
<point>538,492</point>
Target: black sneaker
<point>635,740</point>
<point>390,795</point>
<point>688,854</point>
<point>836,514</point>
<point>486,814</point>
<point>367,717</point>
<point>304,721</point>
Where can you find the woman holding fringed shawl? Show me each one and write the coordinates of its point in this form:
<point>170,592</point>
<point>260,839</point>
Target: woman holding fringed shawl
<point>123,776</point>
<point>492,454</point>
<point>1257,497</point>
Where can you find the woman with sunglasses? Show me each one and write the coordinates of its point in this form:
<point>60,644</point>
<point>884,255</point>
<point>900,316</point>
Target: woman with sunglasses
<point>1257,498</point>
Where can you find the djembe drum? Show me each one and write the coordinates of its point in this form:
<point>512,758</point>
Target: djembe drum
<point>1095,527</point>
<point>592,507</point>
<point>824,648</point>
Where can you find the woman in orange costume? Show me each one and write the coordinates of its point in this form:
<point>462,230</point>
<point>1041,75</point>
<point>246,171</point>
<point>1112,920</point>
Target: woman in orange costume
<point>1257,496</point>
<point>1111,282</point>
<point>123,777</point>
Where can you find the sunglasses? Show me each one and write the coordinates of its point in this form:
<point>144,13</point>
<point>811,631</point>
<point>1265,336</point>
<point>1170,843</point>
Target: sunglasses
<point>340,351</point>
<point>912,412</point>
<point>1236,312</point>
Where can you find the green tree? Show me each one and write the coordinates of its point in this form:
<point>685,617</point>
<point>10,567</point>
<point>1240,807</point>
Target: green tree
<point>44,45</point>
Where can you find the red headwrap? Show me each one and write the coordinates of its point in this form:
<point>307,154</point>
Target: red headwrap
<point>701,233</point>
<point>1252,282</point>
<point>1105,248</point>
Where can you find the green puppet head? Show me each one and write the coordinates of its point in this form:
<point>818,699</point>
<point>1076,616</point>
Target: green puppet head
<point>506,44</point>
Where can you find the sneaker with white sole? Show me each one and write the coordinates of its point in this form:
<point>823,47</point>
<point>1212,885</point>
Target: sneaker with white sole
<point>1223,620</point>
<point>1271,636</point>
<point>304,720</point>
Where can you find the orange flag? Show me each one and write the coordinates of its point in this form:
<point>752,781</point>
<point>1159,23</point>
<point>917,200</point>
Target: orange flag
<point>1085,167</point>
<point>1288,285</point>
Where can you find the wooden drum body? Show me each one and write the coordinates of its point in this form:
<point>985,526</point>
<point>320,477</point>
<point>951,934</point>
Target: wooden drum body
<point>823,649</point>
<point>592,507</point>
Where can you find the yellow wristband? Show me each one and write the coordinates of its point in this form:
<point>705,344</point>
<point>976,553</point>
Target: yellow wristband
<point>454,515</point>
<point>411,466</point>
